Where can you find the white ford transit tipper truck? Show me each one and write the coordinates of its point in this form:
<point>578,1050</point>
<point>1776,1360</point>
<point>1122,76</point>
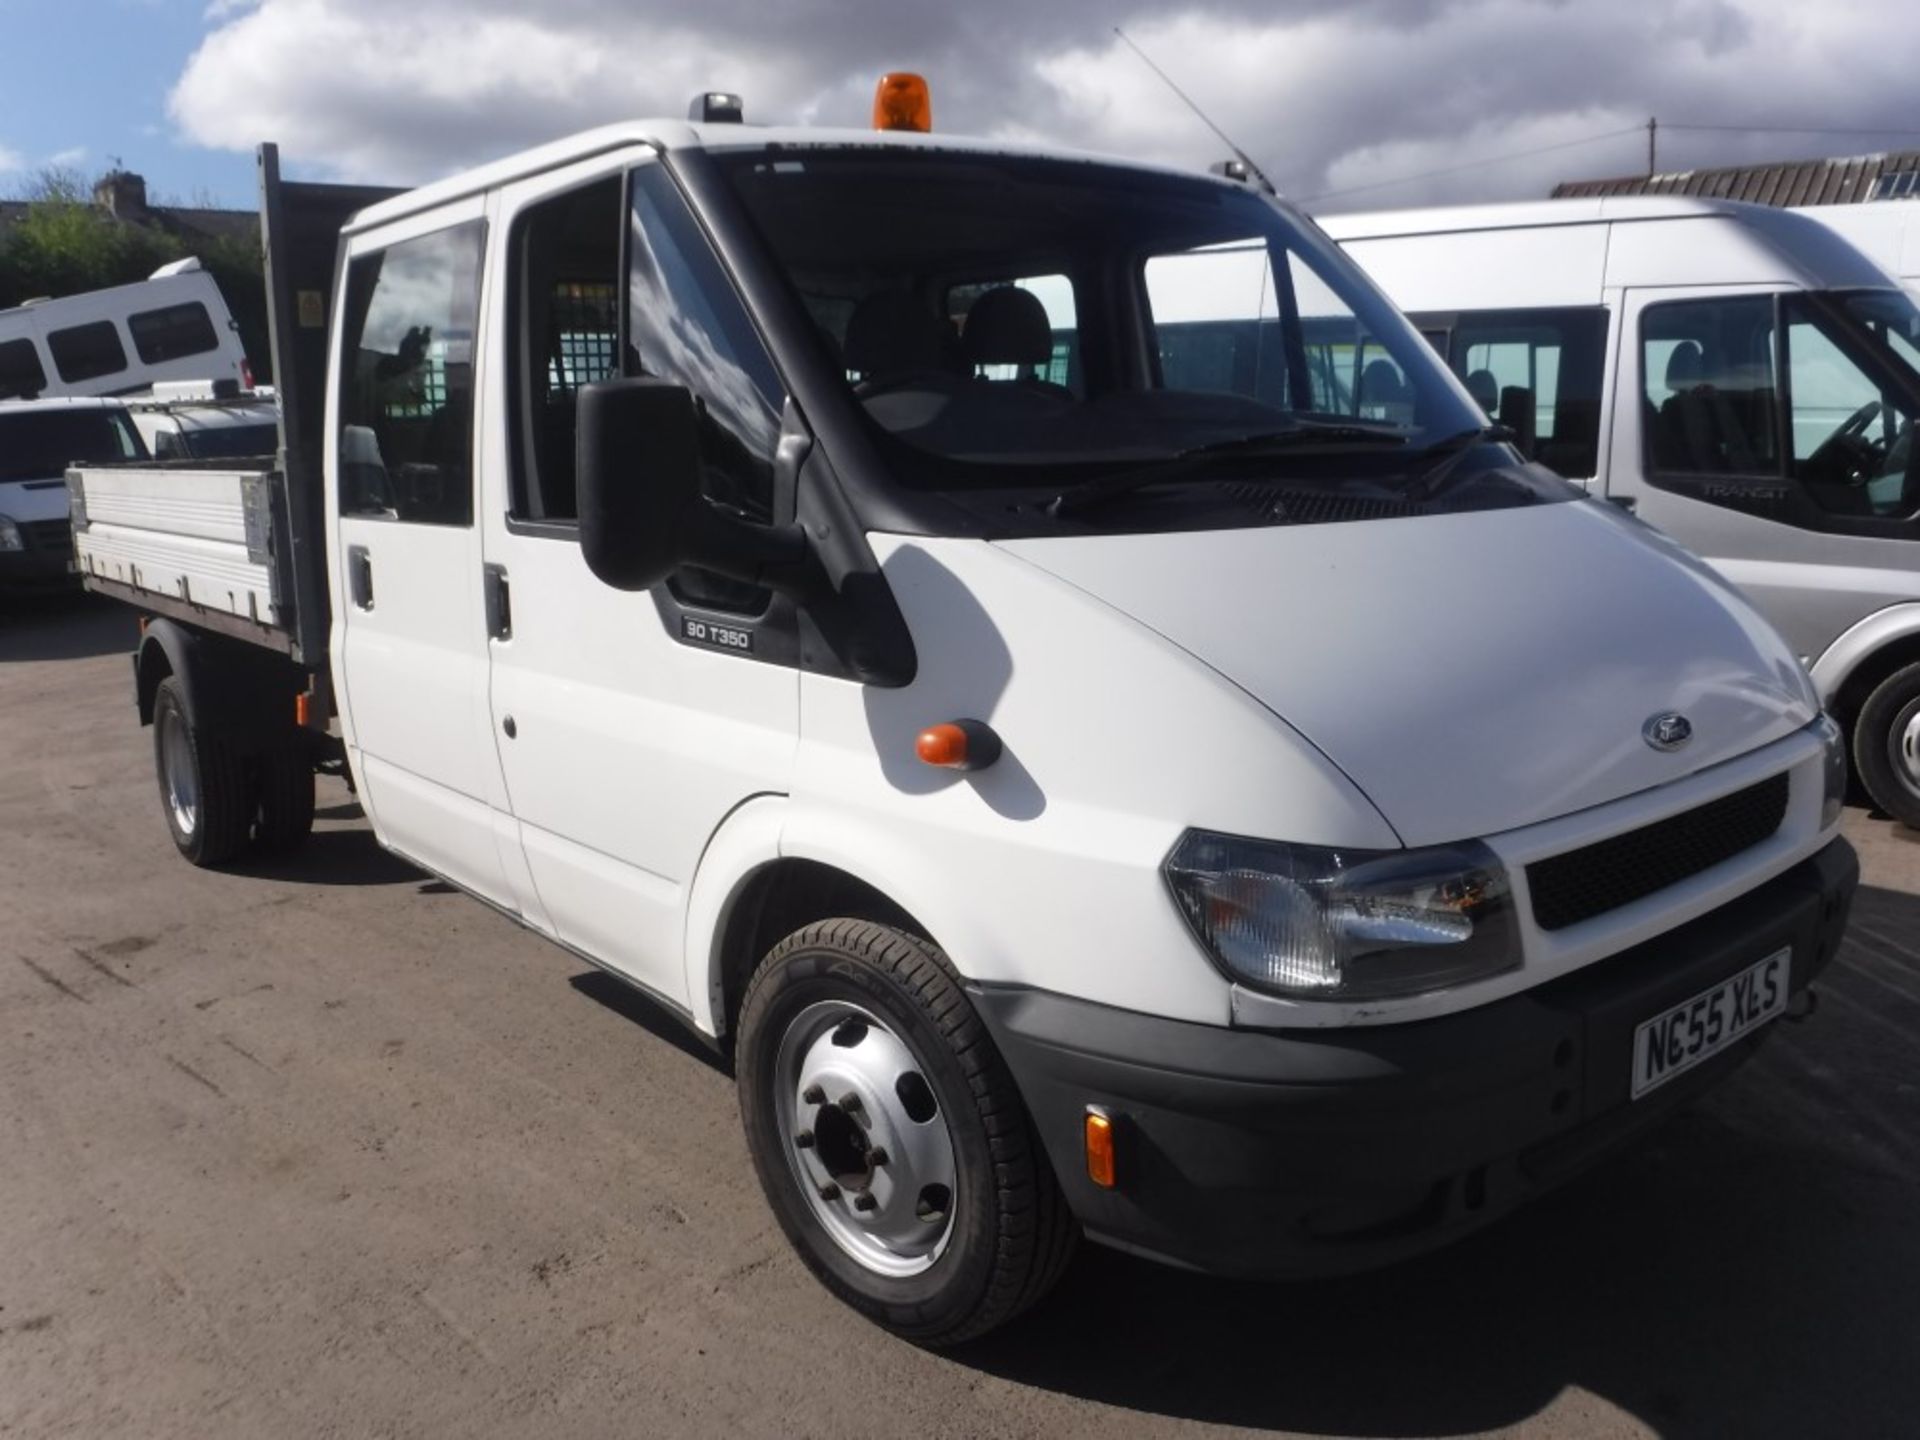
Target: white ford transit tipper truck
<point>1088,776</point>
<point>1740,376</point>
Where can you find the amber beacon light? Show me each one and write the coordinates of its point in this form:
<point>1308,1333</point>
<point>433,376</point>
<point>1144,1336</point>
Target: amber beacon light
<point>902,102</point>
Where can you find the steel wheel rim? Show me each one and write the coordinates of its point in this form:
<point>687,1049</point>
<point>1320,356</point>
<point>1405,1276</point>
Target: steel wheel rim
<point>177,774</point>
<point>1906,746</point>
<point>865,1138</point>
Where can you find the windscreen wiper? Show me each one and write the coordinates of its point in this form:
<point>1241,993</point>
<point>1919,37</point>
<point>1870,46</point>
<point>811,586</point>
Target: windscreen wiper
<point>1452,449</point>
<point>1303,434</point>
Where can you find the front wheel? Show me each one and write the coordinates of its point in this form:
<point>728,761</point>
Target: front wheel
<point>889,1137</point>
<point>1886,745</point>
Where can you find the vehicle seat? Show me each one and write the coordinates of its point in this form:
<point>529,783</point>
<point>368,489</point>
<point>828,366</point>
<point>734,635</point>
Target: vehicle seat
<point>1009,326</point>
<point>892,337</point>
<point>1698,429</point>
<point>1485,389</point>
<point>1384,393</point>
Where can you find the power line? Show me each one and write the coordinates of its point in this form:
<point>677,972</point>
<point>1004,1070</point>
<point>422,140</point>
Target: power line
<point>1473,165</point>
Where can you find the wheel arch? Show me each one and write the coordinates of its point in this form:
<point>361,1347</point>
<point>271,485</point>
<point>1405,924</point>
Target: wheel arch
<point>759,881</point>
<point>1865,655</point>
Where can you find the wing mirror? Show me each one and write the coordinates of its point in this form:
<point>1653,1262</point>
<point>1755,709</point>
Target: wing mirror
<point>643,511</point>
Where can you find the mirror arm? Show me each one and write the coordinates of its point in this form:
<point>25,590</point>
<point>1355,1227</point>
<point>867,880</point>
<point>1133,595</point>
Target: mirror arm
<point>777,556</point>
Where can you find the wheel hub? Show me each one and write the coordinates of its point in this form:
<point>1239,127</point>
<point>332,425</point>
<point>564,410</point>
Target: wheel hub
<point>1907,748</point>
<point>864,1138</point>
<point>176,753</point>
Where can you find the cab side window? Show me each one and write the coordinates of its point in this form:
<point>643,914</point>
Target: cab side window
<point>1780,406</point>
<point>406,387</point>
<point>686,324</point>
<point>566,269</point>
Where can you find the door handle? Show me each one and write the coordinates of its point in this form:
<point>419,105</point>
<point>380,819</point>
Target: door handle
<point>499,601</point>
<point>360,576</point>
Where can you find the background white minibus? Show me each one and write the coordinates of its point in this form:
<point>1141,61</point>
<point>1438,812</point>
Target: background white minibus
<point>1740,377</point>
<point>174,325</point>
<point>1887,232</point>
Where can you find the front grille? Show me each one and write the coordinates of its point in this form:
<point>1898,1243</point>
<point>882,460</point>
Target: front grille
<point>1604,876</point>
<point>47,534</point>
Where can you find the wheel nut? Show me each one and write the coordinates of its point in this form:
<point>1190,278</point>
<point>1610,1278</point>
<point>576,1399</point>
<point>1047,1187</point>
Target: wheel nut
<point>804,1139</point>
<point>876,1157</point>
<point>829,1191</point>
<point>850,1101</point>
<point>865,1202</point>
<point>813,1095</point>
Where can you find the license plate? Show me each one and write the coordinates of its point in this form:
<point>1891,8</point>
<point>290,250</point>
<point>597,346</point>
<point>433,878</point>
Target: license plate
<point>1674,1042</point>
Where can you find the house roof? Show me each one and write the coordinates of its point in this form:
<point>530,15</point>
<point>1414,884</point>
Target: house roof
<point>1801,182</point>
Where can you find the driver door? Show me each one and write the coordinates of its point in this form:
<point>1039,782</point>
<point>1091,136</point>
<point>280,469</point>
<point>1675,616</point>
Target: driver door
<point>1759,437</point>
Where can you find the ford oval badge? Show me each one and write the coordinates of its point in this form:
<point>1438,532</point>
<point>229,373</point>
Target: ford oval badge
<point>1667,731</point>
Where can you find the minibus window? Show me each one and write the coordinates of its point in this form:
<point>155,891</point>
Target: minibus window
<point>21,375</point>
<point>173,333</point>
<point>1539,372</point>
<point>1710,398</point>
<point>87,352</point>
<point>1852,432</point>
<point>406,439</point>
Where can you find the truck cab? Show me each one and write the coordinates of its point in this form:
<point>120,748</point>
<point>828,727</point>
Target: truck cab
<point>1086,790</point>
<point>1740,377</point>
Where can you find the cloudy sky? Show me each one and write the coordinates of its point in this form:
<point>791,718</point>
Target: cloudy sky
<point>1340,100</point>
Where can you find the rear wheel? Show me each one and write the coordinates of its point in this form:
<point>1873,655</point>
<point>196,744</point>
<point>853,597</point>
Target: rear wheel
<point>284,817</point>
<point>1886,745</point>
<point>889,1137</point>
<point>203,784</point>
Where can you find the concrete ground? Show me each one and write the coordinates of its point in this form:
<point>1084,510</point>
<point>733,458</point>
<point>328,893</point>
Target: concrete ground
<point>328,1150</point>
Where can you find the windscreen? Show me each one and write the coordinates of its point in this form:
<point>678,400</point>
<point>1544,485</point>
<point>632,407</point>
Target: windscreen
<point>40,444</point>
<point>227,441</point>
<point>1007,320</point>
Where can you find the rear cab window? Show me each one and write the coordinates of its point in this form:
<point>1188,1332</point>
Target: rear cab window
<point>406,387</point>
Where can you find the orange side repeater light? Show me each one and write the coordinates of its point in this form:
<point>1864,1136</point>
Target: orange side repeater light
<point>901,101</point>
<point>1100,1159</point>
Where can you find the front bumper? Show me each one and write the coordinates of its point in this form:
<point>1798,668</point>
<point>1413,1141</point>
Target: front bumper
<point>37,569</point>
<point>1291,1153</point>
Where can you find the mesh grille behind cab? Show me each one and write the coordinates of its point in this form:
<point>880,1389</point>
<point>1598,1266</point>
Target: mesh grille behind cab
<point>1584,883</point>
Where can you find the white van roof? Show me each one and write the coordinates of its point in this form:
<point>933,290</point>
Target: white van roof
<point>683,135</point>
<point>1557,252</point>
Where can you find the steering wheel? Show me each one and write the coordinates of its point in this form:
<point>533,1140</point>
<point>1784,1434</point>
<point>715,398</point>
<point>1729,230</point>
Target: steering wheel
<point>1847,454</point>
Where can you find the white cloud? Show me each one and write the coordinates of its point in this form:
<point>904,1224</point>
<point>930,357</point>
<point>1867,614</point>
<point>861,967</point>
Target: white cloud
<point>11,160</point>
<point>66,159</point>
<point>1329,95</point>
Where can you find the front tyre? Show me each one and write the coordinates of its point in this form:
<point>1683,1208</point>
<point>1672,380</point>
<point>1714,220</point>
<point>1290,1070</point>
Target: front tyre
<point>889,1137</point>
<point>1886,745</point>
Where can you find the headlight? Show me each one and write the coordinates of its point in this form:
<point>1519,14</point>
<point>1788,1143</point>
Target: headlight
<point>1834,797</point>
<point>1319,924</point>
<point>10,535</point>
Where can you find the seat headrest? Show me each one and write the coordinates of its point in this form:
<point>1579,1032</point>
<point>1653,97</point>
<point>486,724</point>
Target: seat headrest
<point>1380,384</point>
<point>1484,386</point>
<point>1008,326</point>
<point>1686,367</point>
<point>892,333</point>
